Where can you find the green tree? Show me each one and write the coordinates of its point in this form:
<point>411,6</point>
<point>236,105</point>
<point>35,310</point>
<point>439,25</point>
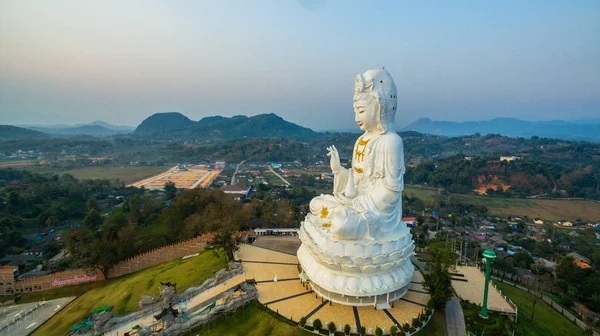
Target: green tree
<point>331,327</point>
<point>93,218</point>
<point>522,259</point>
<point>317,324</point>
<point>170,190</point>
<point>92,203</point>
<point>227,239</point>
<point>437,278</point>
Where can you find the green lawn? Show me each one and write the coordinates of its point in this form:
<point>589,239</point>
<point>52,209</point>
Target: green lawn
<point>547,322</point>
<point>123,293</point>
<point>252,320</point>
<point>435,327</point>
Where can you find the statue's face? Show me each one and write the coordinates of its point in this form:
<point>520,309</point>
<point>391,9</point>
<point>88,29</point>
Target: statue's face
<point>365,111</point>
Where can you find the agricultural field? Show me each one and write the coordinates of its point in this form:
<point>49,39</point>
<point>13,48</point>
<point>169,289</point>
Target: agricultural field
<point>302,171</point>
<point>124,173</point>
<point>191,177</point>
<point>123,293</point>
<point>273,179</point>
<point>419,191</point>
<point>550,210</point>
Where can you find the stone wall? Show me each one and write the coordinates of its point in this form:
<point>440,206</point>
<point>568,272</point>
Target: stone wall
<point>160,255</point>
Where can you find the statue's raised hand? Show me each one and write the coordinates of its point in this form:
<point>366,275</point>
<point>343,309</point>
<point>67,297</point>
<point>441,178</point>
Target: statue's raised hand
<point>335,164</point>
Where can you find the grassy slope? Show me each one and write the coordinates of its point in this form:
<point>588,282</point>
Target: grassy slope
<point>435,327</point>
<point>123,293</point>
<point>547,322</point>
<point>251,320</point>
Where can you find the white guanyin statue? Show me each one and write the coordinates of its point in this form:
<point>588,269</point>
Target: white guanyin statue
<point>355,249</point>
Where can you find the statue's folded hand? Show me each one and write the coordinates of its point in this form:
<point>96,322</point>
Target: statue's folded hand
<point>343,199</point>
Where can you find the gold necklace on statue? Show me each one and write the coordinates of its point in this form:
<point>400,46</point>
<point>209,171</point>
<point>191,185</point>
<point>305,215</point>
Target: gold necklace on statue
<point>360,154</point>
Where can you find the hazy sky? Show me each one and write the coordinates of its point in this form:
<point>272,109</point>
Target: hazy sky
<point>121,61</point>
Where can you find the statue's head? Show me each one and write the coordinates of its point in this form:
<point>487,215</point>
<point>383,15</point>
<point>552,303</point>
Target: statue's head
<point>375,101</point>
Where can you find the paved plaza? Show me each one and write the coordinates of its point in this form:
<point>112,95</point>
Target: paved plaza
<point>289,298</point>
<point>472,290</point>
<point>23,319</point>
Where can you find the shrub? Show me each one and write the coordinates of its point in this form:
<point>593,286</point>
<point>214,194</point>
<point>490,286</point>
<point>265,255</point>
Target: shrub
<point>406,326</point>
<point>566,301</point>
<point>331,327</point>
<point>393,330</point>
<point>363,330</point>
<point>302,321</point>
<point>378,331</point>
<point>347,329</point>
<point>430,303</point>
<point>317,324</point>
<point>416,323</point>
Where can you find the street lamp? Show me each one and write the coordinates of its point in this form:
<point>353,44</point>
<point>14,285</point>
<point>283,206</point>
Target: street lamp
<point>489,256</point>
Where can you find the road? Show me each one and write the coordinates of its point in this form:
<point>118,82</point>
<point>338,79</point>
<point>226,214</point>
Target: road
<point>455,319</point>
<point>236,170</point>
<point>274,172</point>
<point>16,321</point>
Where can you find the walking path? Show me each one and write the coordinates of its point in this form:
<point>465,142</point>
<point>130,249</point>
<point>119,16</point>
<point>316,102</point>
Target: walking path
<point>455,319</point>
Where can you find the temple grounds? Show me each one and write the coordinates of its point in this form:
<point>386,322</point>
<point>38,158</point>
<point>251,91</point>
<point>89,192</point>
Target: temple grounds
<point>290,299</point>
<point>472,290</point>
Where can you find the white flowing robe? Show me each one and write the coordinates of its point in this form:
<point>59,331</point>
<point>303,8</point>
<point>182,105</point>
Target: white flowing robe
<point>376,210</point>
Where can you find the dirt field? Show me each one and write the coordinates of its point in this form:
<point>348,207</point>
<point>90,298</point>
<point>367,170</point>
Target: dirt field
<point>184,179</point>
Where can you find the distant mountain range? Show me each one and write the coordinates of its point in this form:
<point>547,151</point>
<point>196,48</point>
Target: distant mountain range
<point>176,125</point>
<point>582,130</point>
<point>8,132</point>
<point>96,128</point>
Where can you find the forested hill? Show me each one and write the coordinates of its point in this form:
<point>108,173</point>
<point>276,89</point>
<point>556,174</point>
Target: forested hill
<point>163,122</point>
<point>8,132</point>
<point>558,129</point>
<point>177,126</point>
